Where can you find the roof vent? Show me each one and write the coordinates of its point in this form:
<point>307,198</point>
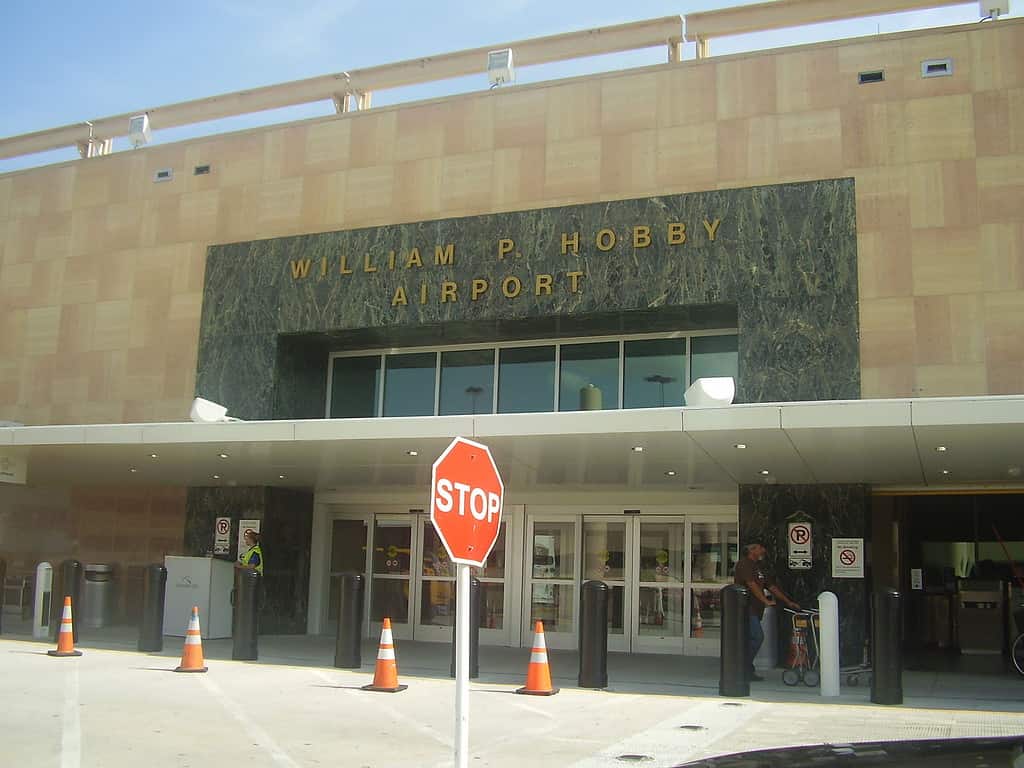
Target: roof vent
<point>201,170</point>
<point>875,76</point>
<point>937,68</point>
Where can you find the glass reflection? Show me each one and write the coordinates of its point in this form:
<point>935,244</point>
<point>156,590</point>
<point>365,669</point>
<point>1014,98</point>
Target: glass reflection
<point>706,614</point>
<point>492,605</point>
<point>714,356</point>
<point>467,382</point>
<point>494,565</point>
<point>437,602</point>
<point>553,545</point>
<point>589,377</point>
<point>553,604</point>
<point>713,551</point>
<point>662,552</point>
<point>654,373</point>
<point>435,556</point>
<point>355,382</point>
<point>390,600</point>
<point>661,611</point>
<point>526,380</point>
<point>409,384</point>
<point>391,547</point>
<point>604,550</point>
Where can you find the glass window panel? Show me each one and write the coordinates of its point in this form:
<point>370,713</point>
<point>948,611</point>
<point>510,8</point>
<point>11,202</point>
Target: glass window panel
<point>409,384</point>
<point>435,556</point>
<point>492,605</point>
<point>662,552</point>
<point>390,600</point>
<point>713,551</point>
<point>553,604</point>
<point>467,382</point>
<point>437,603</point>
<point>661,612</point>
<point>354,387</point>
<point>526,380</point>
<point>713,356</point>
<point>589,377</point>
<point>706,614</point>
<point>604,550</point>
<point>553,545</point>
<point>654,373</point>
<point>391,547</point>
<point>616,609</point>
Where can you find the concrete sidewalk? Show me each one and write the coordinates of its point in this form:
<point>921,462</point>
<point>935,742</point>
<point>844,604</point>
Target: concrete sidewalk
<point>115,707</point>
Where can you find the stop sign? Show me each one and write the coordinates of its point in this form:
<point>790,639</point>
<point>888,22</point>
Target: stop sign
<point>466,494</point>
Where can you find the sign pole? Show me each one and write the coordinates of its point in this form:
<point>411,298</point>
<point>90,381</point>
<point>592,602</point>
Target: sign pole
<point>462,611</point>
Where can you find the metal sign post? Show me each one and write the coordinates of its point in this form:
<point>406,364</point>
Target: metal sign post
<point>462,611</point>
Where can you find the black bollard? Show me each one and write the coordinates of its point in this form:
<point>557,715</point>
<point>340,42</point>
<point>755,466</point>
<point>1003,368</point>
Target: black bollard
<point>735,641</point>
<point>69,585</point>
<point>151,623</point>
<point>348,647</point>
<point>474,629</point>
<point>594,635</point>
<point>245,615</point>
<point>886,648</point>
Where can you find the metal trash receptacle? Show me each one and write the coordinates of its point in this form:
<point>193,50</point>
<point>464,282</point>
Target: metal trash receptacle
<point>98,596</point>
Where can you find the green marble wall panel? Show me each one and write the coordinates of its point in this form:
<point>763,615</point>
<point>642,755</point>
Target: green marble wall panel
<point>784,256</point>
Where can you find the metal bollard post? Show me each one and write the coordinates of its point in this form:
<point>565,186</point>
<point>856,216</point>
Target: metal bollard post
<point>70,584</point>
<point>41,601</point>
<point>886,648</point>
<point>733,660</point>
<point>151,623</point>
<point>245,616</point>
<point>828,643</point>
<point>594,635</point>
<point>348,645</point>
<point>474,630</point>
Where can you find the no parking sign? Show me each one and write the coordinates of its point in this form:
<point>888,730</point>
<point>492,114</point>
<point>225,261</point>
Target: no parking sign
<point>799,540</point>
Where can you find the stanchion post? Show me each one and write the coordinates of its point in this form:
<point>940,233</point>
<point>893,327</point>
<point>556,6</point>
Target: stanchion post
<point>828,643</point>
<point>151,624</point>
<point>348,648</point>
<point>594,635</point>
<point>733,661</point>
<point>886,648</point>
<point>41,601</point>
<point>474,631</point>
<point>245,616</point>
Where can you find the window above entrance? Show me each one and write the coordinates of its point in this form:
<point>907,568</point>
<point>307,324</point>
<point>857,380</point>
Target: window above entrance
<point>636,371</point>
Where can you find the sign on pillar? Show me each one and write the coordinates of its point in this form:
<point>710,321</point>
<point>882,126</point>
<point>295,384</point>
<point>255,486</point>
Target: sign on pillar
<point>466,495</point>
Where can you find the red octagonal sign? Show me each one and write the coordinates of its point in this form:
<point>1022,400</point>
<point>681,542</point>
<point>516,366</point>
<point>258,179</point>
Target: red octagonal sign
<point>466,495</point>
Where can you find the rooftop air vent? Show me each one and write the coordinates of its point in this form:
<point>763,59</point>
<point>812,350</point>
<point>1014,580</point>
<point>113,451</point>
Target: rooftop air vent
<point>937,68</point>
<point>874,76</point>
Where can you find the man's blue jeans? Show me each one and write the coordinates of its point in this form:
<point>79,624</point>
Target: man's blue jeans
<point>755,638</point>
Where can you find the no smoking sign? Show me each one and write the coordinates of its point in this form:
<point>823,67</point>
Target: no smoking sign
<point>848,558</point>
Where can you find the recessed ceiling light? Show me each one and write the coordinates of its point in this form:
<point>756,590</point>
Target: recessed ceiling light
<point>741,446</point>
<point>1013,471</point>
<point>670,473</point>
<point>412,453</point>
<point>132,469</point>
<point>765,472</point>
<point>280,477</point>
<point>638,449</point>
<point>216,477</point>
<point>222,455</point>
<point>152,455</point>
<point>945,471</point>
<point>940,449</point>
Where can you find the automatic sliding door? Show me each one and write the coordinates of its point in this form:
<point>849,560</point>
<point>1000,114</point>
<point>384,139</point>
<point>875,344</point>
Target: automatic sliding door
<point>551,582</point>
<point>661,622</point>
<point>607,557</point>
<point>436,588</point>
<point>348,555</point>
<point>391,581</point>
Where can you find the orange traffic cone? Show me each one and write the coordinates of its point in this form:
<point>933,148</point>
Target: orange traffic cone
<point>192,653</point>
<point>538,674</point>
<point>66,636</point>
<point>385,676</point>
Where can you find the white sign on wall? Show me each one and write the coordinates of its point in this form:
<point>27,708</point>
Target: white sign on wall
<point>243,526</point>
<point>847,558</point>
<point>916,578</point>
<point>222,536</point>
<point>799,540</point>
<point>13,469</point>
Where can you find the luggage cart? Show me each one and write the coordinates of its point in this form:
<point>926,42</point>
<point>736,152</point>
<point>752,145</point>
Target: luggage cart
<point>853,675</point>
<point>802,665</point>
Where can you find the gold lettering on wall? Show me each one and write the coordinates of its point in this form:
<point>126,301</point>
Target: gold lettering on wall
<point>399,300</point>
<point>574,277</point>
<point>605,239</point>
<point>367,266</point>
<point>712,228</point>
<point>423,293</point>
<point>414,259</point>
<point>343,266</point>
<point>511,286</point>
<point>505,247</point>
<point>543,285</point>
<point>449,291</point>
<point>676,233</point>
<point>444,256</point>
<point>300,268</point>
<point>480,287</point>
<point>641,236</point>
<point>323,267</point>
<point>391,260</point>
<point>573,241</point>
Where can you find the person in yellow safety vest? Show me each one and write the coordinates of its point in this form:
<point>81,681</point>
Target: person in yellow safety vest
<point>253,558</point>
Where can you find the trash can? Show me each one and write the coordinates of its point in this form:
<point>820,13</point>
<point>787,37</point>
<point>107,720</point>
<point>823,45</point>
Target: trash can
<point>98,596</point>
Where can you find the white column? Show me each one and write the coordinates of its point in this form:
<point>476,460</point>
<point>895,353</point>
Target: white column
<point>828,643</point>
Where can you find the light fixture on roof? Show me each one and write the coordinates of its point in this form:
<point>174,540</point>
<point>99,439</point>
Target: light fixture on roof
<point>412,453</point>
<point>138,130</point>
<point>739,446</point>
<point>152,456</point>
<point>670,473</point>
<point>714,391</point>
<point>940,449</point>
<point>945,471</point>
<point>499,67</point>
<point>638,449</point>
<point>765,473</point>
<point>993,9</point>
<point>209,412</point>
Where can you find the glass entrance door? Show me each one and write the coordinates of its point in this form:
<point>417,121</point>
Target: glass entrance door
<point>660,621</point>
<point>348,555</point>
<point>391,576</point>
<point>608,557</point>
<point>551,580</point>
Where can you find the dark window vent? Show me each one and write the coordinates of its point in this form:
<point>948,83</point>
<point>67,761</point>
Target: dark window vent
<point>875,76</point>
<point>164,174</point>
<point>937,68</point>
<point>201,170</point>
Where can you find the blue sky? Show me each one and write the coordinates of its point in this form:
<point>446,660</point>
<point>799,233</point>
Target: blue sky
<point>90,60</point>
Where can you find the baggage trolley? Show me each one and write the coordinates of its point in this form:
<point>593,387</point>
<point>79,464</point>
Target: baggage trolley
<point>802,665</point>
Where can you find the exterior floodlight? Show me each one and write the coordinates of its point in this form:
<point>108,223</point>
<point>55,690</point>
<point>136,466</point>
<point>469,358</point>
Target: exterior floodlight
<point>138,130</point>
<point>711,392</point>
<point>993,9</point>
<point>208,412</point>
<point>499,67</point>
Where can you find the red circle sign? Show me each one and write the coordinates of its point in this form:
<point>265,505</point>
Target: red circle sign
<point>223,526</point>
<point>466,495</point>
<point>847,557</point>
<point>800,534</point>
